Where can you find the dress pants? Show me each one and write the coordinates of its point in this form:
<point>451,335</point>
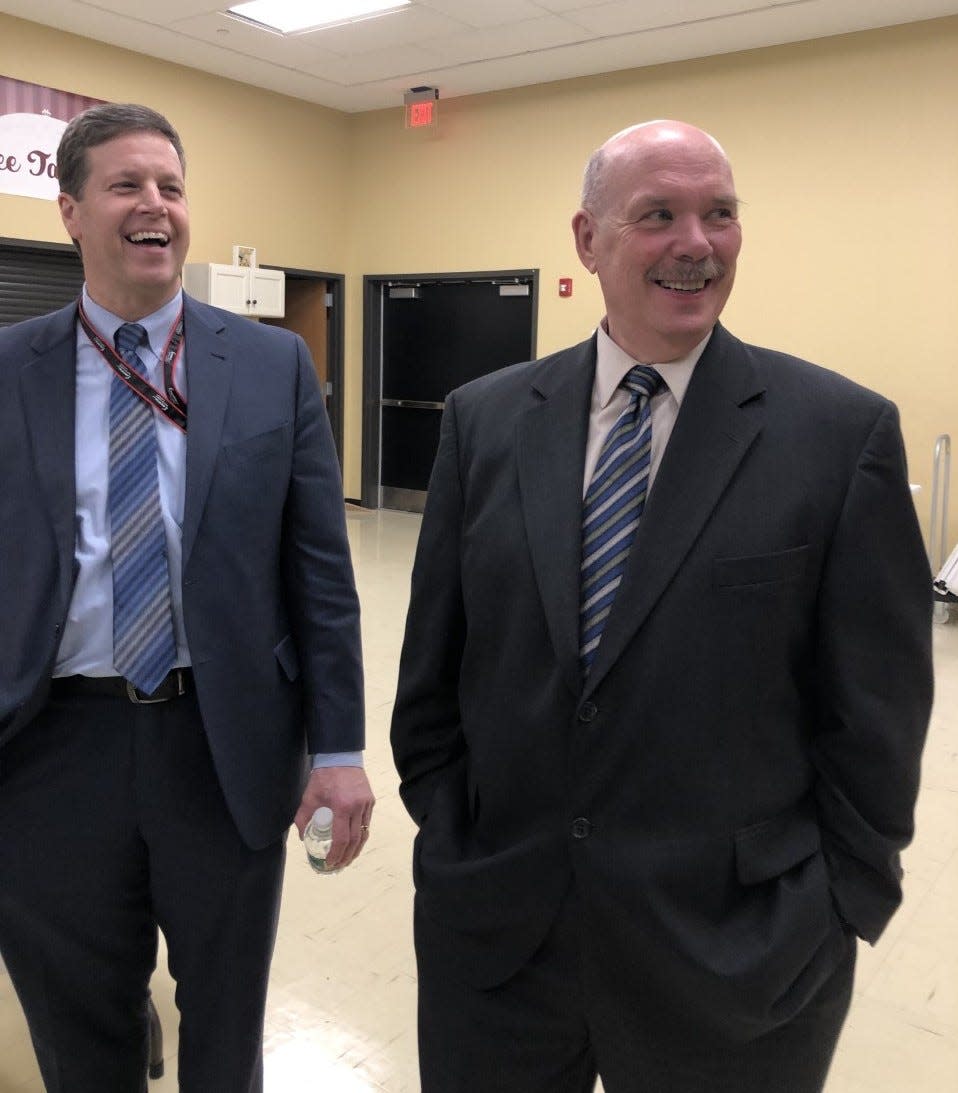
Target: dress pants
<point>554,1027</point>
<point>112,822</point>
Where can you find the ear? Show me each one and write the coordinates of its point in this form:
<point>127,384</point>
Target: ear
<point>584,229</point>
<point>68,214</point>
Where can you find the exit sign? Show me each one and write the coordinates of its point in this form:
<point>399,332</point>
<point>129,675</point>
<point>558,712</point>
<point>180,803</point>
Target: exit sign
<point>421,114</point>
<point>421,108</point>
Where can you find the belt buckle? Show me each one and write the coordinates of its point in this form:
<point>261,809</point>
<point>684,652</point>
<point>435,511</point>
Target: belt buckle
<point>134,695</point>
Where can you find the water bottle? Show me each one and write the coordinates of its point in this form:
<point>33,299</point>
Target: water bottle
<point>317,838</point>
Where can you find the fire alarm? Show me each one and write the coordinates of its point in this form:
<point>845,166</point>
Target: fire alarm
<point>565,286</point>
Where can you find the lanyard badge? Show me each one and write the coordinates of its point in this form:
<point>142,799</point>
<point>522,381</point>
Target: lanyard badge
<point>168,402</point>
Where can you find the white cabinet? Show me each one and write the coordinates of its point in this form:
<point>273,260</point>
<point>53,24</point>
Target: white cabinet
<point>247,290</point>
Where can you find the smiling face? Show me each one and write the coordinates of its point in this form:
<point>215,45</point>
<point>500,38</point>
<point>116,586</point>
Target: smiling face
<point>132,223</point>
<point>660,229</point>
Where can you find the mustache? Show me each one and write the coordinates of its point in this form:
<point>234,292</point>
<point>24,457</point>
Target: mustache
<point>709,269</point>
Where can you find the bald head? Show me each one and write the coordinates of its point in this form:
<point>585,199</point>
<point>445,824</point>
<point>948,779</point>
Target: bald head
<point>659,228</point>
<point>630,147</point>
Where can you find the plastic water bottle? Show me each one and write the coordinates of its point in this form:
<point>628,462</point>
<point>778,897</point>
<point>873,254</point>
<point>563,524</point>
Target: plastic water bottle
<point>317,838</point>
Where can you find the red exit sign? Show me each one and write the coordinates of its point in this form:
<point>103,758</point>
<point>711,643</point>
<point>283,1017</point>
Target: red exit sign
<point>419,115</point>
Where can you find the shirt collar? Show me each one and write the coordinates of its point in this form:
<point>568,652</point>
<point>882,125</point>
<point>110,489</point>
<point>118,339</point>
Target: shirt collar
<point>157,325</point>
<point>612,364</point>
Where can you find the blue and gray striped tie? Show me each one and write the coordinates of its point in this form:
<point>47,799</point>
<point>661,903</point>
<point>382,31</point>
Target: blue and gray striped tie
<point>613,504</point>
<point>144,649</point>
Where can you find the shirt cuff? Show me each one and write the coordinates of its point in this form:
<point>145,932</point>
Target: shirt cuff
<point>337,759</point>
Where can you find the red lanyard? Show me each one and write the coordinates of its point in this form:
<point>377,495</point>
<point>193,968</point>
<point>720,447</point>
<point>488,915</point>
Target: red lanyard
<point>170,404</point>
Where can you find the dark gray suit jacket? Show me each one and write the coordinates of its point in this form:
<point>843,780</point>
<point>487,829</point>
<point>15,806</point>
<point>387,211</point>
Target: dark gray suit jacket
<point>269,602</point>
<point>733,785</point>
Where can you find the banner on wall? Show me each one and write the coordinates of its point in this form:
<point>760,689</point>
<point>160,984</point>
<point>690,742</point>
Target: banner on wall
<point>32,120</point>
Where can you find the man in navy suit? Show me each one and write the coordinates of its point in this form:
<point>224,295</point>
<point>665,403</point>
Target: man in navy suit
<point>180,632</point>
<point>665,681</point>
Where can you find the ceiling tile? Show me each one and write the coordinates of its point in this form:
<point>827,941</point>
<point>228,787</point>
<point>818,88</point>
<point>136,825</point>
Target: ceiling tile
<point>529,36</point>
<point>259,73</point>
<point>413,24</point>
<point>563,6</point>
<point>488,13</point>
<point>160,13</point>
<point>399,63</point>
<point>627,16</point>
<point>296,51</point>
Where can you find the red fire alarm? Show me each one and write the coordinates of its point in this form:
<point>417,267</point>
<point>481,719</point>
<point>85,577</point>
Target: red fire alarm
<point>565,286</point>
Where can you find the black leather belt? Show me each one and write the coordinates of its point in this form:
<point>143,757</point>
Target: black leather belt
<point>178,682</point>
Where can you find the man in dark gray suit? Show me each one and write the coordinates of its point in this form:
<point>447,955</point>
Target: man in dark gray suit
<point>665,682</point>
<point>180,629</point>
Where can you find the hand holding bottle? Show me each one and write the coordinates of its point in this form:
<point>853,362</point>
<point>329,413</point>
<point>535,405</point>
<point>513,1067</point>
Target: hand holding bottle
<point>346,792</point>
<point>318,838</point>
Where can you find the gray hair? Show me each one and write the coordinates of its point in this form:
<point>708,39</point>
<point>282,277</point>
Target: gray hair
<point>593,180</point>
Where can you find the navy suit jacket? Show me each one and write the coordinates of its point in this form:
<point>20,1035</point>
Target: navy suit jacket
<point>732,786</point>
<point>269,603</point>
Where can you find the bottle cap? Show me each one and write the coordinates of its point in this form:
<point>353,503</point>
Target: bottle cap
<point>323,817</point>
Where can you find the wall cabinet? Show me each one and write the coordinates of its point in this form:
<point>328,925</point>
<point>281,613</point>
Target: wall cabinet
<point>247,290</point>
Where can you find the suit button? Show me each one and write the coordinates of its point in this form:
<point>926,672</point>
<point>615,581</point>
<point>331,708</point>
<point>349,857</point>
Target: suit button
<point>581,828</point>
<point>588,711</point>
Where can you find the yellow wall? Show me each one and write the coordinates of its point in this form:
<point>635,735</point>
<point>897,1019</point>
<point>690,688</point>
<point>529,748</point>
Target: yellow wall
<point>845,152</point>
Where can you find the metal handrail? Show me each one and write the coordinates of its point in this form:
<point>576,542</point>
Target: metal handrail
<point>940,482</point>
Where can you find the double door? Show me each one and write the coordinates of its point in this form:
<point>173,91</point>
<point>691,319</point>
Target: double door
<point>436,335</point>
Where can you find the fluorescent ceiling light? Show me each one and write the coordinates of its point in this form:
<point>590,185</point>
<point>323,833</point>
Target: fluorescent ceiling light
<point>294,16</point>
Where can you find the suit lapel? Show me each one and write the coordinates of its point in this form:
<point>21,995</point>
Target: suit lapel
<point>550,448</point>
<point>209,379</point>
<point>48,389</point>
<point>720,417</point>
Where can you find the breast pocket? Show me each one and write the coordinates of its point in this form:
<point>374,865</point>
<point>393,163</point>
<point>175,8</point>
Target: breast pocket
<point>762,608</point>
<point>761,569</point>
<point>258,448</point>
<point>249,488</point>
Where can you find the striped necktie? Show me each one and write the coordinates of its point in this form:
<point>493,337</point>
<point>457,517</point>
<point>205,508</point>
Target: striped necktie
<point>144,649</point>
<point>613,504</point>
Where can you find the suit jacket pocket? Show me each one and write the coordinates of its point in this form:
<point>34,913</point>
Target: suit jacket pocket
<point>783,565</point>
<point>257,447</point>
<point>801,940</point>
<point>285,653</point>
<point>768,849</point>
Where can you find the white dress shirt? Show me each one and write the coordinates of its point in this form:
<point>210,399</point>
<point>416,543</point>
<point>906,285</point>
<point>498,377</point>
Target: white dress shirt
<point>609,399</point>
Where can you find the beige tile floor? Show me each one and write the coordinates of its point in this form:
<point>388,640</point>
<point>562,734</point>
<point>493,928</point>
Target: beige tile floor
<point>342,1002</point>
